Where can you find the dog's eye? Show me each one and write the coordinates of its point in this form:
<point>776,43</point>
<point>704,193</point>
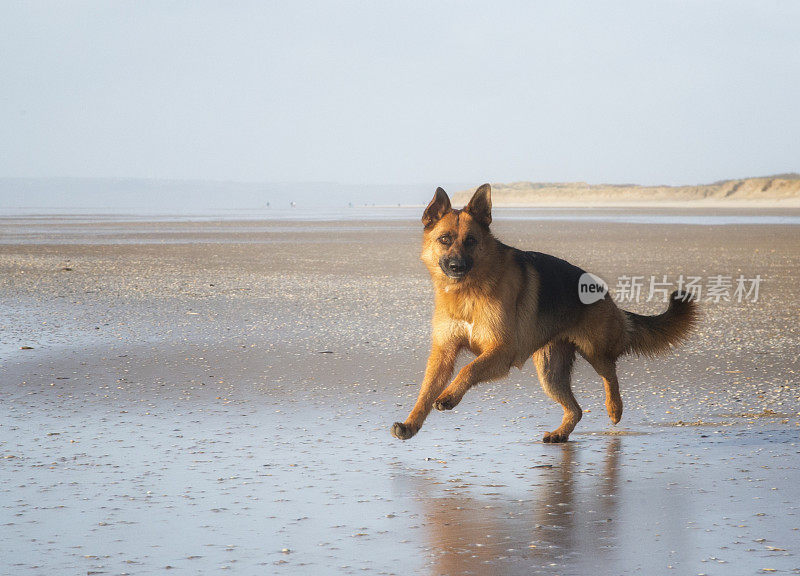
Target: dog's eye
<point>445,240</point>
<point>470,241</point>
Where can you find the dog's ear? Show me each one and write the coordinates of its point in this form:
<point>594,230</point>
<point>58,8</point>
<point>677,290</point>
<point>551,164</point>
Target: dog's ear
<point>480,206</point>
<point>438,207</point>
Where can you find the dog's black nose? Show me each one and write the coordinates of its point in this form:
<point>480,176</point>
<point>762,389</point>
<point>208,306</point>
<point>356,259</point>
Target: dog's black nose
<point>457,266</point>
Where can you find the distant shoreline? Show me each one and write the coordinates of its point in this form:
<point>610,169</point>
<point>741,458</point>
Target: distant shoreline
<point>395,211</point>
<point>691,204</point>
<point>20,228</point>
<point>776,191</point>
<point>170,197</point>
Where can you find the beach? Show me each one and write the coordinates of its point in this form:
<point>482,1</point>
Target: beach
<point>217,394</point>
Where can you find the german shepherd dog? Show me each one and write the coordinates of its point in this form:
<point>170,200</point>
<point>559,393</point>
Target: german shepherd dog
<point>506,305</point>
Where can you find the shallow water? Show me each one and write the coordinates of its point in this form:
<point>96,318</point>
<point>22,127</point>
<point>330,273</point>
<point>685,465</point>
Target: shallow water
<point>697,216</point>
<point>113,476</point>
<point>319,226</point>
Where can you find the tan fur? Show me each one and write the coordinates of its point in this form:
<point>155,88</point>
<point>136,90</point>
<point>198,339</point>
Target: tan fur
<point>494,312</point>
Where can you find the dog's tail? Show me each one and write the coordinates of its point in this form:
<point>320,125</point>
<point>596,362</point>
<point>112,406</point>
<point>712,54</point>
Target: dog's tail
<point>652,335</point>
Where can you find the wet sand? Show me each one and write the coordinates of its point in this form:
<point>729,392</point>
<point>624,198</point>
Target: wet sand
<point>218,395</point>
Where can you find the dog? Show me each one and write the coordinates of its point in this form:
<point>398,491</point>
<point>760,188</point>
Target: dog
<point>506,305</point>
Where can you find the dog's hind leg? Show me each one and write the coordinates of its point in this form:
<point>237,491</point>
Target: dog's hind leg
<point>554,366</point>
<point>607,369</point>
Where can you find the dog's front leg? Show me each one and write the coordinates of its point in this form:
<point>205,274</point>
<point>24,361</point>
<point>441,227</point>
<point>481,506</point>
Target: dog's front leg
<point>492,364</point>
<point>440,367</point>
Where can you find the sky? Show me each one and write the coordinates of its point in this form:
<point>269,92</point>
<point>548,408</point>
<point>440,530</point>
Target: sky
<point>394,93</point>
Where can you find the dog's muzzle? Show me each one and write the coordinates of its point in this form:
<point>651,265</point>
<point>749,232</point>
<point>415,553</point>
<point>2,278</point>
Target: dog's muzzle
<point>455,267</point>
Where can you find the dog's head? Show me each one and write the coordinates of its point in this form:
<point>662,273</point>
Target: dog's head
<point>455,241</point>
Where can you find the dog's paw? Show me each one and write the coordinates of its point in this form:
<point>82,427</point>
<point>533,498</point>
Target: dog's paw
<point>443,403</point>
<point>402,431</point>
<point>614,410</point>
<point>555,437</point>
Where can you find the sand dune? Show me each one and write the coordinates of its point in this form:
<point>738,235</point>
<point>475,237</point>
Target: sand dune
<point>780,190</point>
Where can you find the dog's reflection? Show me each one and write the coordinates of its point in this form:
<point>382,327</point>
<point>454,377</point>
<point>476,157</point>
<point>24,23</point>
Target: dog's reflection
<point>567,516</point>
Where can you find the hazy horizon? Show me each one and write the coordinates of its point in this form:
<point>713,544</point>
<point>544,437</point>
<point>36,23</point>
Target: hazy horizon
<point>132,195</point>
<point>139,196</point>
